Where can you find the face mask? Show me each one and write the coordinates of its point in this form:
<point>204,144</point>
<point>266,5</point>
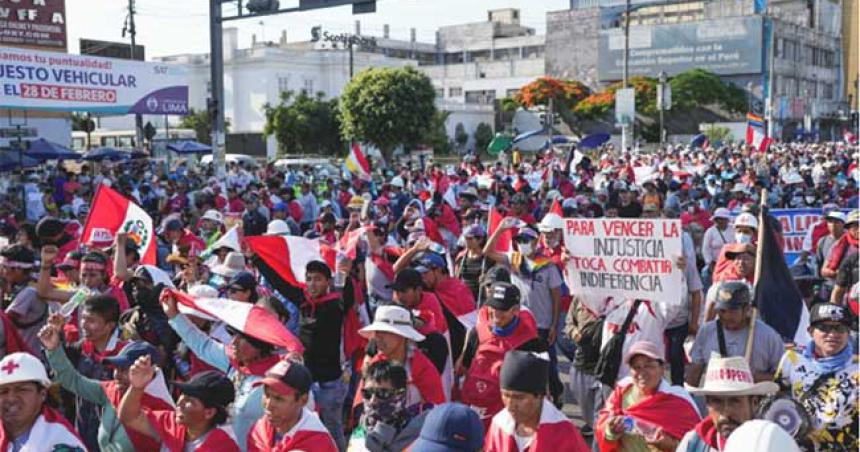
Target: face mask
<point>552,242</point>
<point>743,238</point>
<point>810,199</point>
<point>390,410</point>
<point>691,209</point>
<point>526,248</point>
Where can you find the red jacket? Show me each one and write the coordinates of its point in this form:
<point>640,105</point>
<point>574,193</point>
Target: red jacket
<point>554,434</point>
<point>309,435</point>
<point>173,434</point>
<point>481,386</point>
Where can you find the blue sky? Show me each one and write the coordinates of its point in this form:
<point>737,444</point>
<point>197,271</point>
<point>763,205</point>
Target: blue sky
<point>181,26</point>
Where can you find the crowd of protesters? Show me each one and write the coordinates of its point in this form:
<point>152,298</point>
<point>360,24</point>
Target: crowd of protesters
<point>428,332</point>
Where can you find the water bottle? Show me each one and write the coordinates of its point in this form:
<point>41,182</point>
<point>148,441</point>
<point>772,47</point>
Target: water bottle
<point>339,275</point>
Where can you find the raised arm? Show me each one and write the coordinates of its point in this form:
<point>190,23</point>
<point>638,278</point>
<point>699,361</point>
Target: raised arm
<point>490,248</point>
<point>129,412</point>
<point>44,286</point>
<point>120,263</point>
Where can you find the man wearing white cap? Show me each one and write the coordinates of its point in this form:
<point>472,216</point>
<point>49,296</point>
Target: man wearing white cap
<point>719,234</point>
<point>28,423</point>
<point>835,230</point>
<point>731,397</point>
<point>210,226</point>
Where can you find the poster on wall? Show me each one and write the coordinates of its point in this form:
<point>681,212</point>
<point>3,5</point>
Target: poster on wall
<point>624,258</point>
<point>33,23</point>
<point>51,81</point>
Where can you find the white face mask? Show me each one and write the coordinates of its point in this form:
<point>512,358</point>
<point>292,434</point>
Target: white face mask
<point>810,199</point>
<point>525,248</point>
<point>552,242</point>
<point>744,238</point>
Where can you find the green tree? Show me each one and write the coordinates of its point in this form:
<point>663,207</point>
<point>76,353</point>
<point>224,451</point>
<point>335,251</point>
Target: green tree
<point>387,107</point>
<point>460,135</point>
<point>717,134</point>
<point>700,88</point>
<point>201,124</point>
<point>483,135</point>
<point>304,124</point>
<point>436,135</point>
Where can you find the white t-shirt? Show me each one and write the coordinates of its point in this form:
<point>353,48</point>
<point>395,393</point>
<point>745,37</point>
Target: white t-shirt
<point>523,442</point>
<point>648,325</point>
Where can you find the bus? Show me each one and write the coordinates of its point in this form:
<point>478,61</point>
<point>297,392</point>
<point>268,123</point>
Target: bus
<point>125,140</point>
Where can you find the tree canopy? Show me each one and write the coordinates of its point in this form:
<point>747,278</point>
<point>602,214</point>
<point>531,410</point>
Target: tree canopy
<point>304,124</point>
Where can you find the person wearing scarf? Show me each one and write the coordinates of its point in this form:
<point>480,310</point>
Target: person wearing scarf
<point>661,413</point>
<point>288,424</point>
<point>529,422</point>
<point>846,245</point>
<point>29,424</point>
<point>502,326</point>
<point>830,360</point>
<point>195,425</point>
<point>245,360</point>
<point>386,424</point>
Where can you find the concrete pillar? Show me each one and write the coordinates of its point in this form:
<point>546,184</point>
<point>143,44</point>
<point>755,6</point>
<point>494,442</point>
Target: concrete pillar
<point>385,31</point>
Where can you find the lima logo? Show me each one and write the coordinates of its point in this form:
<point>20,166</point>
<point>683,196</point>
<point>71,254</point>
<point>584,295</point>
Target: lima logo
<point>137,233</point>
<point>152,103</point>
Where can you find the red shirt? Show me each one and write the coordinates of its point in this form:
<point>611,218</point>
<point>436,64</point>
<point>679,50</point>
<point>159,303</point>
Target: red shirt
<point>309,435</point>
<point>173,434</point>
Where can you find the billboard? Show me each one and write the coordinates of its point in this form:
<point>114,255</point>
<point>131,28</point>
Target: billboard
<point>722,46</point>
<point>33,23</point>
<point>50,81</point>
<point>110,49</point>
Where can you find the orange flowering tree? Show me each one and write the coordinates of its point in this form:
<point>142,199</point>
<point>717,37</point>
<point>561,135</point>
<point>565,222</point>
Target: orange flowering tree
<point>564,93</point>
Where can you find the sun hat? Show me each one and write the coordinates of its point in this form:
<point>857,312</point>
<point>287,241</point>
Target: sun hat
<point>550,222</point>
<point>721,212</point>
<point>392,319</point>
<point>19,367</point>
<point>835,215</point>
<point>277,227</point>
<point>731,377</point>
<point>234,263</point>
<point>213,215</point>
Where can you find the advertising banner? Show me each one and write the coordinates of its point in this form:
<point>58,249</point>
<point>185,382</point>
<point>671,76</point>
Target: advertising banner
<point>624,258</point>
<point>722,46</point>
<point>33,23</point>
<point>61,82</point>
<point>795,224</point>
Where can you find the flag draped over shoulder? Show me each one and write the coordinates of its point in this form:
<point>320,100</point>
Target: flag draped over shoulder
<point>252,320</point>
<point>112,213</point>
<point>356,163</point>
<point>776,295</point>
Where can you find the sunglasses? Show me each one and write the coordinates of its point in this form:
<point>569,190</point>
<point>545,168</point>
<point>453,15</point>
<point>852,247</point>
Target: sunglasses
<point>829,328</point>
<point>380,393</point>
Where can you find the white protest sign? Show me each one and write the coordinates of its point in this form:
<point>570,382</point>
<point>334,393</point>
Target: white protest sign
<point>624,258</point>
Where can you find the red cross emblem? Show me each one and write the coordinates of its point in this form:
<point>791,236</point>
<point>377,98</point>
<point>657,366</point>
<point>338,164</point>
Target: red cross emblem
<point>10,367</point>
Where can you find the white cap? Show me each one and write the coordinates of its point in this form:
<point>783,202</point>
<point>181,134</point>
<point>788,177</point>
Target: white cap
<point>278,227</point>
<point>722,212</point>
<point>213,215</point>
<point>550,222</point>
<point>397,181</point>
<point>746,219</point>
<point>740,188</point>
<point>758,435</point>
<point>20,367</point>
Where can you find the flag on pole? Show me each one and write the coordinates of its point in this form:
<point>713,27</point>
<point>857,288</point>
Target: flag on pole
<point>288,255</point>
<point>112,213</point>
<point>503,245</point>
<point>776,295</point>
<point>250,319</point>
<point>356,163</point>
<point>756,134</point>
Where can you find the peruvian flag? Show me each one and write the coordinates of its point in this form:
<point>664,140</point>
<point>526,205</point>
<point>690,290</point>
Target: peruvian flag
<point>356,163</point>
<point>288,256</point>
<point>112,213</point>
<point>252,320</point>
<point>503,245</point>
<point>757,138</point>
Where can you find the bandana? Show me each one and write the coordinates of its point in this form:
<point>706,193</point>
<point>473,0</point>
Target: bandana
<point>94,266</point>
<point>15,264</point>
<point>831,363</point>
<point>391,411</point>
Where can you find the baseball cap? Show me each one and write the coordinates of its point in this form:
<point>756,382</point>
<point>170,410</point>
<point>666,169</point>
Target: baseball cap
<point>406,279</point>
<point>211,387</point>
<point>133,350</point>
<point>450,427</point>
<point>475,230</point>
<point>733,250</point>
<point>835,215</point>
<point>280,207</point>
<point>243,280</point>
<point>646,348</point>
<point>829,312</point>
<point>431,260</point>
<point>733,295</point>
<point>287,377</point>
<point>173,225</point>
<point>503,296</point>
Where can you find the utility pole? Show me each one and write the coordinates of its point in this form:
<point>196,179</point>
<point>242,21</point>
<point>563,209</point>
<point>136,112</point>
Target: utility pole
<point>138,118</point>
<point>216,97</point>
<point>625,128</point>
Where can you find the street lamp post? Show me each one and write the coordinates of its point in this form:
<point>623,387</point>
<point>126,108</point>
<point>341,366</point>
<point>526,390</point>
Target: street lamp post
<point>660,102</point>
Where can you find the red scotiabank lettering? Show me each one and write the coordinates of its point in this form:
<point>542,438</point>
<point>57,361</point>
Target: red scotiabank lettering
<point>627,228</point>
<point>68,93</point>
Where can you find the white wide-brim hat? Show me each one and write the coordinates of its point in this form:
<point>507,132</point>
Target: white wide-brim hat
<point>731,377</point>
<point>392,319</point>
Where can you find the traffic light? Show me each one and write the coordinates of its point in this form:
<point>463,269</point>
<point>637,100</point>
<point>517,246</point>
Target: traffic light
<point>262,6</point>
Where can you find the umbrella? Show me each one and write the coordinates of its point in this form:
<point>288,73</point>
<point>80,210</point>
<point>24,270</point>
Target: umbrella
<point>10,162</point>
<point>594,140</point>
<point>189,147</point>
<point>560,139</point>
<point>526,135</point>
<point>43,149</point>
<point>500,143</point>
<point>105,153</point>
<point>698,140</point>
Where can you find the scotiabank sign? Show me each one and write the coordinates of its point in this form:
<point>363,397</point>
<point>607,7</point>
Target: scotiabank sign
<point>33,23</point>
<point>52,81</point>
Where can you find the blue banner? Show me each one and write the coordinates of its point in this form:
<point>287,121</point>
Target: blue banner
<point>795,224</point>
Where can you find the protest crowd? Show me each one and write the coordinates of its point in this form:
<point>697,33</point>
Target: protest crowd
<point>430,307</point>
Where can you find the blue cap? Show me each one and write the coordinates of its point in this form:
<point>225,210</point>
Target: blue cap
<point>280,207</point>
<point>243,280</point>
<point>432,260</point>
<point>133,350</point>
<point>450,427</point>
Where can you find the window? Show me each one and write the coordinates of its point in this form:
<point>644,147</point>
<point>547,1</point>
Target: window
<point>827,91</point>
<point>283,83</point>
<point>309,86</point>
<point>511,92</point>
<point>533,51</point>
<point>478,55</point>
<point>455,91</point>
<point>482,97</point>
<point>440,92</point>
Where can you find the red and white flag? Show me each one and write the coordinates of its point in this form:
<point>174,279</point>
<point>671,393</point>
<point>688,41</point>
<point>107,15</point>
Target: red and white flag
<point>288,255</point>
<point>112,213</point>
<point>51,431</point>
<point>503,245</point>
<point>252,320</point>
<point>356,163</point>
<point>757,138</point>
